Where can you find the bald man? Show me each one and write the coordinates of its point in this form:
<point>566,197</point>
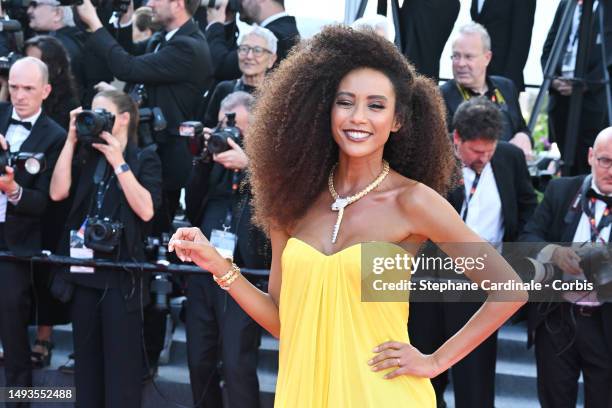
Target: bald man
<point>24,127</point>
<point>573,334</point>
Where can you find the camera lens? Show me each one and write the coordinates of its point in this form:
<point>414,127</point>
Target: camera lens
<point>99,232</point>
<point>32,165</point>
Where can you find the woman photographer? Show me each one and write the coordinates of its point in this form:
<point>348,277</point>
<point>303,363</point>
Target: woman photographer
<point>118,185</point>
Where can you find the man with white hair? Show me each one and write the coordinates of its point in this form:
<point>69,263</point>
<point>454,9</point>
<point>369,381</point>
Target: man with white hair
<point>470,57</point>
<point>23,198</point>
<point>48,16</point>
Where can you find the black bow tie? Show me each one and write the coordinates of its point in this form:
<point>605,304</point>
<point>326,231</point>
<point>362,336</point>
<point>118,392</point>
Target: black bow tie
<point>27,125</point>
<point>594,194</point>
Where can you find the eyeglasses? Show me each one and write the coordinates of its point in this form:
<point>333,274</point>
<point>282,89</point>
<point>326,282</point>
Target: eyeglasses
<point>257,51</point>
<point>604,162</point>
<point>466,57</point>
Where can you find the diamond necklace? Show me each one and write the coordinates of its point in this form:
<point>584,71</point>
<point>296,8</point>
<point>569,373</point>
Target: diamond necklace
<point>341,202</point>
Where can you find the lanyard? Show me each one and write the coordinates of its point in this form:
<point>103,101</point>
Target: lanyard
<point>227,224</point>
<point>496,96</point>
<point>469,197</point>
<point>603,222</point>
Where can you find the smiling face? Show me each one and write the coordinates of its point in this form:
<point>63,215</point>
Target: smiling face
<point>363,113</point>
<point>251,64</point>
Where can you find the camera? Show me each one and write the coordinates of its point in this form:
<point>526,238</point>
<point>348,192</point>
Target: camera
<point>161,286</point>
<point>596,262</point>
<point>33,163</point>
<point>7,61</point>
<point>217,143</point>
<point>102,234</point>
<point>151,120</point>
<point>232,5</point>
<point>90,123</point>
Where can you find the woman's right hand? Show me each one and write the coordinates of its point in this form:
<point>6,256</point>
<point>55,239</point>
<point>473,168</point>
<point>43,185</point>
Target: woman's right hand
<point>72,135</point>
<point>191,245</point>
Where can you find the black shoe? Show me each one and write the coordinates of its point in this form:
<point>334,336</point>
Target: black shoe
<point>68,368</point>
<point>42,360</point>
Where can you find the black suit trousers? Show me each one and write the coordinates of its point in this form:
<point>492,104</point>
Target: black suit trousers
<point>218,330</point>
<point>431,324</point>
<point>566,344</point>
<point>15,305</point>
<point>108,349</point>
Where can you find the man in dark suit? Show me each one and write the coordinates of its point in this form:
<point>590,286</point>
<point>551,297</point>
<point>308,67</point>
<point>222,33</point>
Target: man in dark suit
<point>425,26</point>
<point>509,23</point>
<point>23,198</point>
<point>176,72</point>
<point>593,113</point>
<point>222,36</point>
<point>471,56</point>
<point>495,199</point>
<point>217,328</point>
<point>573,334</point>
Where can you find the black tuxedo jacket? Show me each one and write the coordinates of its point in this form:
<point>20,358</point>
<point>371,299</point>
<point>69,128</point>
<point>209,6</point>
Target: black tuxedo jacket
<point>518,199</point>
<point>286,31</point>
<point>511,110</point>
<point>22,229</point>
<point>556,220</point>
<point>425,26</point>
<point>222,41</point>
<point>176,77</point>
<point>509,23</point>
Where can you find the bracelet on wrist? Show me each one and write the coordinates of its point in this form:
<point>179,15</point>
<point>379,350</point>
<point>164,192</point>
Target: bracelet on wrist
<point>228,278</point>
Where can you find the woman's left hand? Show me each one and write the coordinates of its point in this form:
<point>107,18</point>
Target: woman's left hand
<point>111,150</point>
<point>405,358</point>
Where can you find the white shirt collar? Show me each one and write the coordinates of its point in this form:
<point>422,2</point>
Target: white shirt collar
<point>597,190</point>
<point>273,17</point>
<point>169,34</point>
<point>32,119</point>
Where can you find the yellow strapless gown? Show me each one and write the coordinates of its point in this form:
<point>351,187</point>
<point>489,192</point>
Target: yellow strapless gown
<point>327,336</point>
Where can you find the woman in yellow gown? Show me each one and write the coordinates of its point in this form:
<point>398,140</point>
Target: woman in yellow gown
<point>349,149</point>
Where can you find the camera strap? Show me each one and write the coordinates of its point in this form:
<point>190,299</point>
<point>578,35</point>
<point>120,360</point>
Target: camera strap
<point>102,181</point>
<point>588,203</point>
<point>227,223</point>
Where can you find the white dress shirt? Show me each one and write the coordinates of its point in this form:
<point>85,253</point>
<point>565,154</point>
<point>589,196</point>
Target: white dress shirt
<point>15,136</point>
<point>485,211</point>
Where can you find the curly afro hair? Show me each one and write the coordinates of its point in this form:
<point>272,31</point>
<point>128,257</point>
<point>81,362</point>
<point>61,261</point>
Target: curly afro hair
<point>291,147</point>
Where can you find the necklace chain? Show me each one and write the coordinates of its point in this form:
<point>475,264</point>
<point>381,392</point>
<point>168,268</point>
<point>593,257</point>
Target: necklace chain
<point>341,202</point>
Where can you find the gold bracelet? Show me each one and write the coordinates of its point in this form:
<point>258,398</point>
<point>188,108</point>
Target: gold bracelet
<point>228,283</point>
<point>230,275</point>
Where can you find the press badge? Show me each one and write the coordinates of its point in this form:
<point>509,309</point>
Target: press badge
<point>79,250</point>
<point>224,242</point>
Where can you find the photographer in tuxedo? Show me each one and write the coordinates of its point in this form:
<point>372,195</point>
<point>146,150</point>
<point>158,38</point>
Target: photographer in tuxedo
<point>573,335</point>
<point>176,70</point>
<point>24,127</point>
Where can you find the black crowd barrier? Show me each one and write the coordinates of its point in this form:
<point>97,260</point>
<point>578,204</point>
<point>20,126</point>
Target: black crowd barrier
<point>141,266</point>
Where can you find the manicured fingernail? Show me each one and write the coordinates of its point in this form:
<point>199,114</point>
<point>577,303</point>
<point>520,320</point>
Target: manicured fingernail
<point>375,350</point>
<point>370,362</point>
<point>374,368</point>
